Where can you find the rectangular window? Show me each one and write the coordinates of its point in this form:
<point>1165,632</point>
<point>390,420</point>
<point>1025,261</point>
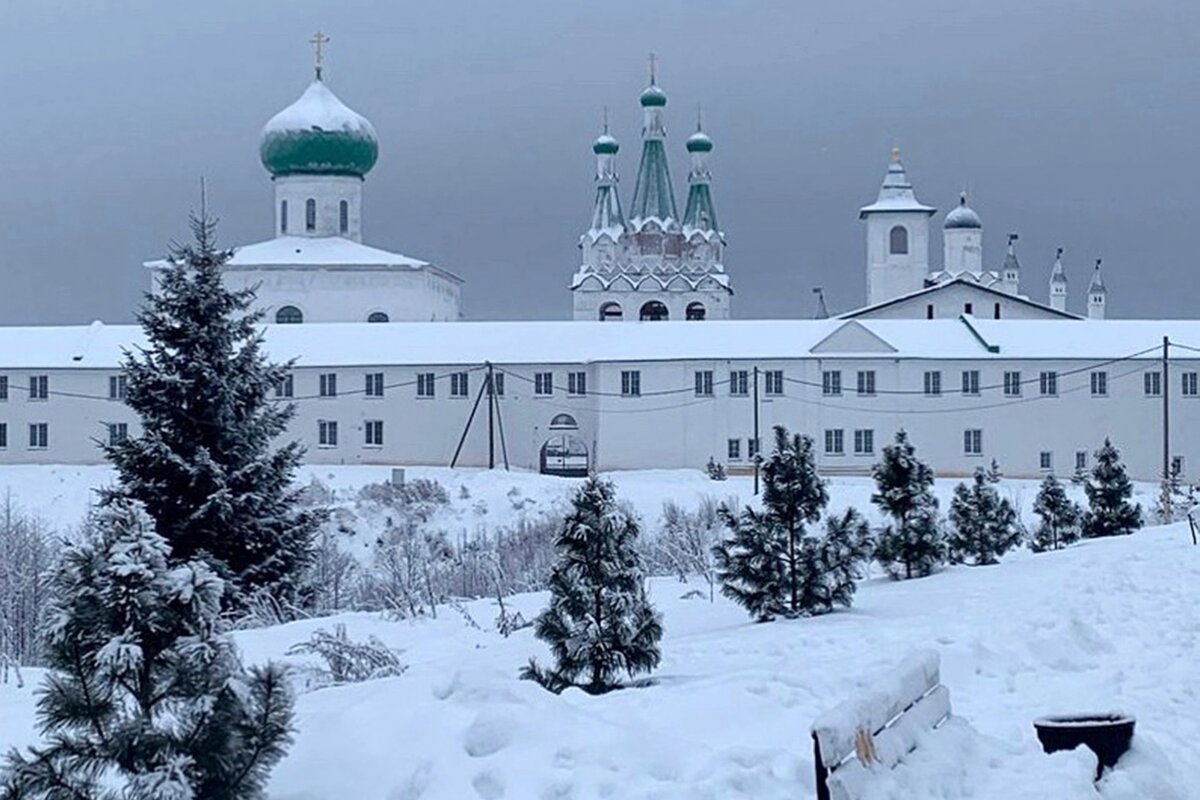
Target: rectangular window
<point>374,387</point>
<point>933,383</point>
<point>577,383</point>
<point>831,382</point>
<point>1190,385</point>
<point>973,442</point>
<point>1048,383</point>
<point>751,448</point>
<point>3,435</point>
<point>735,450</point>
<point>864,442</point>
<point>1152,384</point>
<point>39,387</point>
<point>1046,460</point>
<point>1012,384</point>
<point>327,433</point>
<point>328,384</point>
<point>834,442</point>
<point>543,384</point>
<point>373,433</point>
<point>498,384</point>
<point>118,386</point>
<point>424,384</point>
<point>459,385</point>
<point>117,432</point>
<point>1177,466</point>
<point>1080,460</point>
<point>285,387</point>
<point>631,383</point>
<point>1100,384</point>
<point>3,387</point>
<point>704,383</point>
<point>739,383</point>
<point>970,381</point>
<point>39,435</point>
<point>773,382</point>
<point>866,382</point>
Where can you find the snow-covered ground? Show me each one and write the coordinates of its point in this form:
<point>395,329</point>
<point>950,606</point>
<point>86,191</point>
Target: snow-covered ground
<point>1104,625</point>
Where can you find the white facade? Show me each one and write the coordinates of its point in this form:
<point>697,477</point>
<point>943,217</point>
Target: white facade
<point>1033,392</point>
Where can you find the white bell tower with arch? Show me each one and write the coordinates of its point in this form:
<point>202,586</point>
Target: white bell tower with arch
<point>897,237</point>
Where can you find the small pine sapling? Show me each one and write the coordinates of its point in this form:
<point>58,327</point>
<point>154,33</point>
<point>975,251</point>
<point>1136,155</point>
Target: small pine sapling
<point>984,525</point>
<point>912,544</point>
<point>1109,490</point>
<point>1059,517</point>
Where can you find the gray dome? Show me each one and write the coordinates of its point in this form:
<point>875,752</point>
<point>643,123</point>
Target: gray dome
<point>962,217</point>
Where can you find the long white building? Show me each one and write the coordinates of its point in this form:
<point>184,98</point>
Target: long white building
<point>1036,395</point>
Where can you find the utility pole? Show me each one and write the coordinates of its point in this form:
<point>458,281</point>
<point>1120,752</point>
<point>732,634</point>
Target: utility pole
<point>1166,412</point>
<point>491,390</point>
<point>757,440</point>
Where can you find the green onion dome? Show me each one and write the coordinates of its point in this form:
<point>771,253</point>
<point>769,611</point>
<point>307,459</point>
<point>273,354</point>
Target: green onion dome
<point>653,96</point>
<point>318,135</point>
<point>699,142</point>
<point>605,144</point>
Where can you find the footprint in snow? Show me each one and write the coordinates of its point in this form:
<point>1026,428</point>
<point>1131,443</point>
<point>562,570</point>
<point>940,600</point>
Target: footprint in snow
<point>488,735</point>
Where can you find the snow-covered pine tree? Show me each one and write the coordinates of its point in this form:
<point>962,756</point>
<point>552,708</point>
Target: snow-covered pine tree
<point>984,523</point>
<point>1059,517</point>
<point>205,465</point>
<point>1108,491</point>
<point>912,544</point>
<point>600,623</point>
<point>146,700</point>
<point>771,565</point>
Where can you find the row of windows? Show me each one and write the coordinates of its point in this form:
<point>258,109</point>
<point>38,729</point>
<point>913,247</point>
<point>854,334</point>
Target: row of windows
<point>39,434</point>
<point>290,315</point>
<point>460,384</point>
<point>310,216</point>
<point>651,311</point>
<point>327,433</point>
<point>39,387</point>
<point>1047,381</point>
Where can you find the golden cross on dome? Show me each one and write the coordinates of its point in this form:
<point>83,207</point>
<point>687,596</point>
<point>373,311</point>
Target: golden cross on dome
<point>318,42</point>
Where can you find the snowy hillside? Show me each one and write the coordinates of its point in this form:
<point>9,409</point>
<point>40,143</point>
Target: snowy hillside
<point>1105,625</point>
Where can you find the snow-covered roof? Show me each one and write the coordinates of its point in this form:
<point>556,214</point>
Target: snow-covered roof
<point>896,193</point>
<point>945,281</point>
<point>349,344</point>
<point>316,251</point>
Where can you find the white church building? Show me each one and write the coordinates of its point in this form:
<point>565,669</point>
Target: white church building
<point>652,372</point>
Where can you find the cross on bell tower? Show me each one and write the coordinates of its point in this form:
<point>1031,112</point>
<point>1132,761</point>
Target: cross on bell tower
<point>318,42</point>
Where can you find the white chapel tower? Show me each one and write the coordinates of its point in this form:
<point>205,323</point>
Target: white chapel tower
<point>897,237</point>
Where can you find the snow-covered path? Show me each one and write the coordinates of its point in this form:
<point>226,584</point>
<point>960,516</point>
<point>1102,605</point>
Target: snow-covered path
<point>1105,625</point>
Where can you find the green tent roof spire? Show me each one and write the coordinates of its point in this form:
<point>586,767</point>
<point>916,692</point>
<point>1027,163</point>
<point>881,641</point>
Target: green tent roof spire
<point>653,195</point>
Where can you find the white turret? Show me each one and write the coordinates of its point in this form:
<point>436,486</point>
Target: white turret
<point>1097,295</point>
<point>1010,271</point>
<point>897,237</point>
<point>1058,284</point>
<point>962,240</point>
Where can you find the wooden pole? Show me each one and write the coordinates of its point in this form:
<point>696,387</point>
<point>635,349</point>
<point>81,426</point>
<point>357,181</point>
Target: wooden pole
<point>757,438</point>
<point>1166,413</point>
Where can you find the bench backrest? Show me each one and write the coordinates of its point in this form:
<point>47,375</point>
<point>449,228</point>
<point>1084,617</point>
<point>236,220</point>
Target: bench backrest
<point>879,726</point>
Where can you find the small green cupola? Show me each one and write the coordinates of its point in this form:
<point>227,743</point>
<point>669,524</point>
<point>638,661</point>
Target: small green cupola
<point>699,142</point>
<point>652,95</point>
<point>318,135</point>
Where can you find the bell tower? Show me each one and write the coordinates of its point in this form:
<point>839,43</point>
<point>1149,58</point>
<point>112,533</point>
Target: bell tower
<point>897,237</point>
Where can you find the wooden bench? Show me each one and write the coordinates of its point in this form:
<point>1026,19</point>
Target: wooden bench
<point>877,728</point>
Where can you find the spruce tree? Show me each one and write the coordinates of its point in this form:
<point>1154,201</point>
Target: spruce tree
<point>146,700</point>
<point>912,544</point>
<point>771,564</point>
<point>1059,517</point>
<point>205,464</point>
<point>984,523</point>
<point>600,622</point>
<point>1108,491</point>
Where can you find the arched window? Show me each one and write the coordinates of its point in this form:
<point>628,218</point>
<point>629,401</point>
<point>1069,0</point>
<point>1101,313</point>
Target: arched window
<point>283,216</point>
<point>654,311</point>
<point>898,241</point>
<point>610,312</point>
<point>563,422</point>
<point>344,216</point>
<point>377,316</point>
<point>696,311</point>
<point>289,315</point>
<point>310,215</point>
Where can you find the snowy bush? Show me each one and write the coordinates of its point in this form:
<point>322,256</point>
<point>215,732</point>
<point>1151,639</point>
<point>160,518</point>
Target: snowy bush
<point>600,622</point>
<point>410,570</point>
<point>1059,517</point>
<point>771,564</point>
<point>715,470</point>
<point>347,661</point>
<point>1108,491</point>
<point>25,558</point>
<point>1175,498</point>
<point>685,542</point>
<point>912,544</point>
<point>984,523</point>
<point>146,699</point>
<point>419,497</point>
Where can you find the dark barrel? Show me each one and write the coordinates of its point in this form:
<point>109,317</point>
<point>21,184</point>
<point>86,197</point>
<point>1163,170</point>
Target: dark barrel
<point>1106,735</point>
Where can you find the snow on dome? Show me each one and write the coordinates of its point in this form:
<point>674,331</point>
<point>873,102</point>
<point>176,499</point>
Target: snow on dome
<point>605,144</point>
<point>652,95</point>
<point>963,216</point>
<point>699,142</point>
<point>318,135</point>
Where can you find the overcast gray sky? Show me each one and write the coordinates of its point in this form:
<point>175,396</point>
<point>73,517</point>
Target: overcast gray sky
<point>1074,123</point>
